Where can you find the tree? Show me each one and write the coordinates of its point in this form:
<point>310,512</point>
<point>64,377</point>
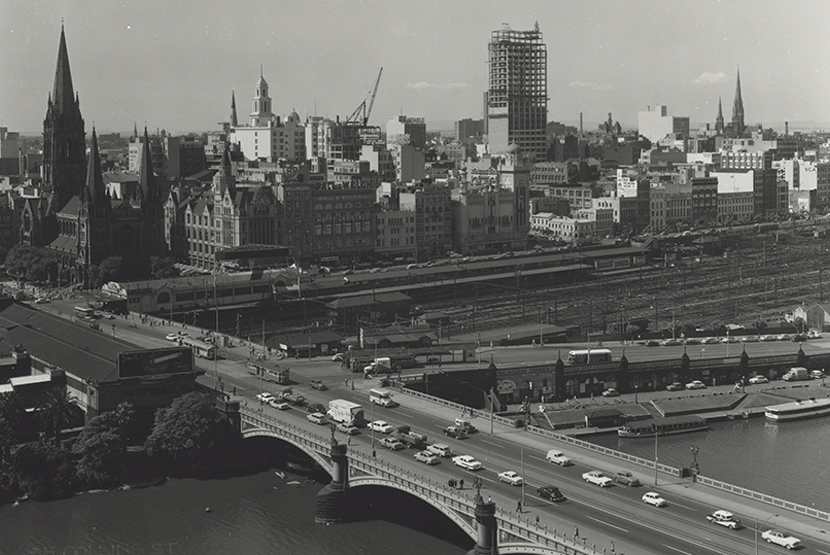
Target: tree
<point>717,326</point>
<point>11,408</point>
<point>799,324</point>
<point>189,434</point>
<point>43,471</point>
<point>101,447</point>
<point>759,326</point>
<point>32,263</point>
<point>161,268</point>
<point>56,408</point>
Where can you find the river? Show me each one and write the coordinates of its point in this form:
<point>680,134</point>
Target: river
<point>262,513</point>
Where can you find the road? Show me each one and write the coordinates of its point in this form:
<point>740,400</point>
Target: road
<point>602,515</point>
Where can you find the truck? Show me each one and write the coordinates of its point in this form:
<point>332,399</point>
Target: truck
<point>287,395</point>
<point>411,439</point>
<point>346,412</point>
<point>796,373</point>
<point>382,397</point>
<point>380,364</point>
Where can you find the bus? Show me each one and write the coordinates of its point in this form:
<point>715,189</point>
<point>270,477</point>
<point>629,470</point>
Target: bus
<point>589,355</point>
<point>200,348</point>
<point>85,312</point>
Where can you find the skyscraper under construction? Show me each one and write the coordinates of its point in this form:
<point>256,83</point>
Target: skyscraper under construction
<point>517,107</point>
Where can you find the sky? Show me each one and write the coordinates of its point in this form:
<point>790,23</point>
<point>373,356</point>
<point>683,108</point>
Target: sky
<point>173,64</point>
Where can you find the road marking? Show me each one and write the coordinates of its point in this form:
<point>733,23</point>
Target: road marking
<point>678,550</point>
<point>611,525</point>
<point>675,504</point>
<point>490,442</point>
<point>825,552</point>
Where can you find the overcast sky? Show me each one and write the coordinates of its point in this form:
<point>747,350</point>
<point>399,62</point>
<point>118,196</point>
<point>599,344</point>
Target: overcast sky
<point>174,63</point>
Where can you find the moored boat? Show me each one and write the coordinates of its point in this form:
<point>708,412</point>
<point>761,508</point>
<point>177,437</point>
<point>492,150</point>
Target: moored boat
<point>796,410</point>
<point>663,426</point>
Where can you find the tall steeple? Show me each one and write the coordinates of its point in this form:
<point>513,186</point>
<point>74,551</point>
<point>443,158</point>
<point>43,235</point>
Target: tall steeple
<point>719,119</point>
<point>738,125</point>
<point>95,191</point>
<point>234,120</point>
<point>63,95</point>
<point>146,179</point>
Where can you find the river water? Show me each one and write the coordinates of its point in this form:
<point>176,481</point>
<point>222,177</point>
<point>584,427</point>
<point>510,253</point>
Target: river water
<point>262,513</point>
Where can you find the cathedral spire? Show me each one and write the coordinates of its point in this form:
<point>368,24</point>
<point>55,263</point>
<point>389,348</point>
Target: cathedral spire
<point>145,172</point>
<point>95,190</point>
<point>63,95</point>
<point>135,130</point>
<point>234,120</point>
<point>719,119</point>
<point>738,125</point>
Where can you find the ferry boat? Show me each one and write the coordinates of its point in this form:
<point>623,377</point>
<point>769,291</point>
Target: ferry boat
<point>796,410</point>
<point>663,426</point>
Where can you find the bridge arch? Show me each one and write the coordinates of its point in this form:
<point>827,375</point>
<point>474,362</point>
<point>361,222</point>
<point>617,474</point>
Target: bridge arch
<point>317,457</point>
<point>459,519</point>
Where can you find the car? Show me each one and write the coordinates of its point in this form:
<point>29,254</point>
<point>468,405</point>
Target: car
<point>456,432</point>
<point>812,334</point>
<point>816,374</point>
<point>750,339</point>
<point>392,443</point>
<point>675,386</point>
<point>711,341</point>
<point>440,449</point>
<point>610,392</point>
<point>551,493</point>
<point>510,477</point>
<point>265,398</point>
<point>696,384</point>
<point>173,336</point>
<point>780,538</point>
<point>693,341</point>
<point>317,418</point>
<point>380,426</point>
<point>279,405</point>
<point>758,379</point>
<point>318,384</point>
<point>729,339</point>
<point>768,338</point>
<point>672,342</point>
<point>41,300</point>
<point>467,462</point>
<point>427,458</point>
<point>784,337</point>
<point>348,429</point>
<point>598,478</point>
<point>799,338</point>
<point>558,457</point>
<point>653,498</point>
<point>105,315</point>
<point>651,343</point>
<point>627,479</point>
<point>724,518</point>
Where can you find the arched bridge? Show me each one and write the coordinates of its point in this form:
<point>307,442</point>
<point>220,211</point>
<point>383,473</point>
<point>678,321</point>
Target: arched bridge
<point>488,525</point>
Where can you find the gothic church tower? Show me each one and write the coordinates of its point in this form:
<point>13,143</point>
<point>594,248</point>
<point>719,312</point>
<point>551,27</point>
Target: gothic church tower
<point>738,125</point>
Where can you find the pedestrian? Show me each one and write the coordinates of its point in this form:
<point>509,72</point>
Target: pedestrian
<point>537,520</point>
<point>461,484</point>
<point>519,507</point>
<point>613,549</point>
<point>576,532</point>
<point>374,453</point>
<point>490,499</point>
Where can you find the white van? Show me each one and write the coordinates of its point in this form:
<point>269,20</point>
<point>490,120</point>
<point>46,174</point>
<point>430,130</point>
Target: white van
<point>440,449</point>
<point>558,457</point>
<point>317,418</point>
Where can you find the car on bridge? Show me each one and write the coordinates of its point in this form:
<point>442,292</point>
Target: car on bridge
<point>380,426</point>
<point>598,478</point>
<point>317,418</point>
<point>724,518</point>
<point>510,477</point>
<point>780,538</point>
<point>392,443</point>
<point>427,458</point>
<point>440,449</point>
<point>551,493</point>
<point>558,457</point>
<point>456,432</point>
<point>347,429</point>
<point>318,384</point>
<point>265,397</point>
<point>653,498</point>
<point>627,479</point>
<point>279,405</point>
<point>467,462</point>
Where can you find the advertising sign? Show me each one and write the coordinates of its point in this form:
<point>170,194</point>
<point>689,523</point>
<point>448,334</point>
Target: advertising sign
<point>155,362</point>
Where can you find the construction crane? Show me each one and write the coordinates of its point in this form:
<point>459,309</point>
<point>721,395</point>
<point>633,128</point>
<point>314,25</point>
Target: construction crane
<point>370,96</point>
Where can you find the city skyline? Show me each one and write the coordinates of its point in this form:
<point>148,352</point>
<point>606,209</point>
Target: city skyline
<point>175,66</point>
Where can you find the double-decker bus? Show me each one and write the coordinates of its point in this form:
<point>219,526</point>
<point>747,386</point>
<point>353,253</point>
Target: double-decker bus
<point>585,356</point>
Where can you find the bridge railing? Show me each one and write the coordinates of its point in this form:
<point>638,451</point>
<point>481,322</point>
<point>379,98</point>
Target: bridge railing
<point>604,450</point>
<point>764,498</point>
<point>305,438</point>
<point>457,406</point>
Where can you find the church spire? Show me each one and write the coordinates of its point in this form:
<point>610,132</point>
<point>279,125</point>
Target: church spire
<point>63,95</point>
<point>234,120</point>
<point>738,125</point>
<point>719,119</point>
<point>95,190</point>
<point>145,172</point>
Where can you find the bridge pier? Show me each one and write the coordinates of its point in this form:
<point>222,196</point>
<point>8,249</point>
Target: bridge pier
<point>331,500</point>
<point>486,527</point>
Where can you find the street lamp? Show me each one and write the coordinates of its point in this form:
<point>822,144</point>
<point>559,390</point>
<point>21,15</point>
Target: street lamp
<point>756,529</point>
<point>489,396</point>
<point>695,467</point>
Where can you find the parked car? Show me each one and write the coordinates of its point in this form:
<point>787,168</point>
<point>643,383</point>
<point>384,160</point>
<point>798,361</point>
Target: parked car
<point>768,338</point>
<point>347,429</point>
<point>651,343</point>
<point>780,538</point>
<point>672,342</point>
<point>380,426</point>
<point>551,493</point>
<point>799,338</point>
<point>816,374</point>
<point>510,477</point>
<point>750,339</point>
<point>610,392</point>
<point>675,386</point>
<point>758,379</point>
<point>784,337</point>
<point>653,498</point>
<point>724,518</point>
<point>696,384</point>
<point>558,457</point>
<point>598,478</point>
<point>627,479</point>
<point>427,458</point>
<point>729,339</point>
<point>710,341</point>
<point>693,341</point>
<point>467,462</point>
<point>392,443</point>
<point>318,384</point>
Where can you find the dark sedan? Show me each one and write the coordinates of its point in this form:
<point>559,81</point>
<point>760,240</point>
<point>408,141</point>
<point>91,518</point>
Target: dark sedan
<point>551,493</point>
